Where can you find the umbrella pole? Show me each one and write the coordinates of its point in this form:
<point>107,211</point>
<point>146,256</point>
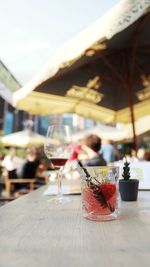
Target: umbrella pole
<point>129,62</point>
<point>129,89</point>
<point>132,114</point>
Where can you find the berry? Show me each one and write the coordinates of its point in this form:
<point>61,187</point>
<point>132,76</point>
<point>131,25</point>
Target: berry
<point>108,190</point>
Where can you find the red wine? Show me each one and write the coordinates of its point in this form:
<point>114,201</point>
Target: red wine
<point>58,162</point>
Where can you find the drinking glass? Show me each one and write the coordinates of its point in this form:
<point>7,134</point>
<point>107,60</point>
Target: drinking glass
<point>99,188</point>
<point>56,149</point>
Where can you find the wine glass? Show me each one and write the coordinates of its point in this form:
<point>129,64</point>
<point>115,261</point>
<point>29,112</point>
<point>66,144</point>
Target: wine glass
<point>56,149</point>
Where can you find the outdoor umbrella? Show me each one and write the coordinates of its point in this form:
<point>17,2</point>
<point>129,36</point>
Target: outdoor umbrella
<point>24,139</point>
<point>142,126</point>
<point>104,132</point>
<point>103,73</point>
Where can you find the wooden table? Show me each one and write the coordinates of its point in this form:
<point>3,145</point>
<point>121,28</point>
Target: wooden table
<point>36,233</point>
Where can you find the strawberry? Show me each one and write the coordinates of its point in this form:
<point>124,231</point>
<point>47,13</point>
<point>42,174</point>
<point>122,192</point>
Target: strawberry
<point>108,190</point>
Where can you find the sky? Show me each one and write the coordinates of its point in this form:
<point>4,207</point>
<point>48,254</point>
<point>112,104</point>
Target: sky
<point>31,31</point>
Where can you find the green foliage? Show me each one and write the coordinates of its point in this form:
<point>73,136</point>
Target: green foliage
<point>126,171</point>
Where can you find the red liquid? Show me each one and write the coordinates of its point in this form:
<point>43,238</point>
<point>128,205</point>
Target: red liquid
<point>58,162</point>
<point>92,204</point>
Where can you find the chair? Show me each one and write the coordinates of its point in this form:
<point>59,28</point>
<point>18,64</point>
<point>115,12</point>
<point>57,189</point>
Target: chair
<point>10,183</point>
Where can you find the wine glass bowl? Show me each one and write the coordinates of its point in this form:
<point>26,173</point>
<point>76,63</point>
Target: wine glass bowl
<point>56,149</point>
<point>56,153</point>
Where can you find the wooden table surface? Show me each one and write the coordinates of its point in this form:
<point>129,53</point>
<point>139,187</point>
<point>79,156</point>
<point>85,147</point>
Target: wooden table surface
<point>36,233</point>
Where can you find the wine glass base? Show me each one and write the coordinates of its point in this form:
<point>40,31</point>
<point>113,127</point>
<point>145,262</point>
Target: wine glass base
<point>59,200</point>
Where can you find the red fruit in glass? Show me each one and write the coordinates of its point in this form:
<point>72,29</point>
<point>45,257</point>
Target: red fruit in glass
<point>94,205</point>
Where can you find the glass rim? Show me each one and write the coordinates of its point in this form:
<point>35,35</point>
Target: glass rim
<point>102,167</point>
<point>59,124</point>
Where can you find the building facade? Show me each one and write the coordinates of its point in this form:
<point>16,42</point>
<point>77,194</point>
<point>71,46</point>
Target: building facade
<point>10,118</point>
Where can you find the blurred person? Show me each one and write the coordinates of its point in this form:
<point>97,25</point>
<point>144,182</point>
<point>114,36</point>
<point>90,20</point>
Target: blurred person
<point>91,146</point>
<point>1,160</point>
<point>29,166</point>
<point>147,156</point>
<point>141,153</point>
<point>133,157</point>
<point>11,162</point>
<point>1,157</point>
<point>107,151</point>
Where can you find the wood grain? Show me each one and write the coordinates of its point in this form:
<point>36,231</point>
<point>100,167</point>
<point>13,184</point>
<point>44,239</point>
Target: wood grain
<point>34,232</point>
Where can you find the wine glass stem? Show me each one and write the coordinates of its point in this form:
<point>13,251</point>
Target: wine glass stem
<point>59,177</point>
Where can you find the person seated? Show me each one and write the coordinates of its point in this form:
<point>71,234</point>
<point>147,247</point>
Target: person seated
<point>29,166</point>
<point>91,146</point>
<point>11,163</point>
<point>107,151</point>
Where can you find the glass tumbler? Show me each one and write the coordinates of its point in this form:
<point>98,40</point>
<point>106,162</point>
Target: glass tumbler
<point>99,189</point>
